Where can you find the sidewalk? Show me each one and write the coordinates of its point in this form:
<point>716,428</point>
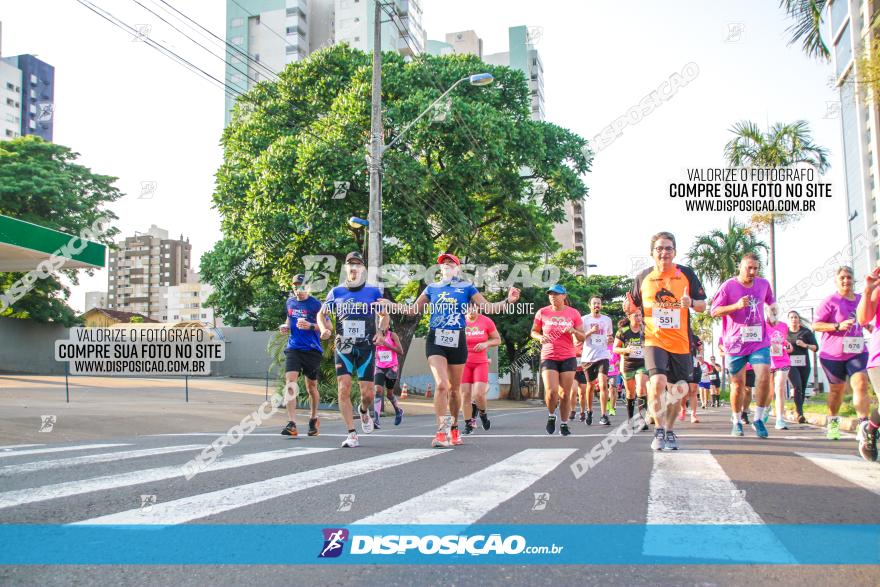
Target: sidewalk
<point>108,407</point>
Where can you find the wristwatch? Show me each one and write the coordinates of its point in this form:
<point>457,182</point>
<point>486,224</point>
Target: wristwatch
<point>837,327</point>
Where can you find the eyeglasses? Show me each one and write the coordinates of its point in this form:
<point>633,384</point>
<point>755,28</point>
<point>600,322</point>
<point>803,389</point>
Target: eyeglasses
<point>663,249</point>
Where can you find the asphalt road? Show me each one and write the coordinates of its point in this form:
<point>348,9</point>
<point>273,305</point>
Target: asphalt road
<point>794,477</point>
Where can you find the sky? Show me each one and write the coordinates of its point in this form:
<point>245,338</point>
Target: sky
<point>134,114</point>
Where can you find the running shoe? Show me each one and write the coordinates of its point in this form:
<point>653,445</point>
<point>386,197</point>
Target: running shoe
<point>780,424</point>
<point>867,436</point>
<point>745,418</point>
<point>290,430</point>
<point>398,416</point>
<point>682,415</point>
<point>366,422</point>
<point>351,441</point>
<point>645,426</point>
<point>375,418</point>
<point>456,437</point>
<point>759,428</point>
<point>474,409</point>
<point>766,417</point>
<point>604,421</point>
<point>671,440</point>
<point>612,411</point>
<point>694,419</point>
<point>589,418</point>
<point>571,415</point>
<point>801,419</point>
<point>563,429</point>
<point>833,430</point>
<point>469,425</point>
<point>484,420</point>
<point>659,442</point>
<point>551,424</point>
<point>314,426</point>
<point>441,440</point>
<point>583,417</point>
<point>737,429</point>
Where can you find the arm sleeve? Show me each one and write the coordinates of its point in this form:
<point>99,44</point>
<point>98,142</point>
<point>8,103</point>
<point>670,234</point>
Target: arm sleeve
<point>330,302</point>
<point>721,297</point>
<point>490,327</point>
<point>636,291</point>
<point>770,299</point>
<point>538,322</point>
<point>695,287</point>
<point>824,313</point>
<point>810,338</point>
<point>577,322</point>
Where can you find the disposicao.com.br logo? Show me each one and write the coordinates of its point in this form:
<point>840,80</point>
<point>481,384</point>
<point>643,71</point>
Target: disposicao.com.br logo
<point>452,544</point>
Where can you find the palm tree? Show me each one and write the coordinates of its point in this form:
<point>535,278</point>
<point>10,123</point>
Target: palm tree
<point>807,26</point>
<point>782,145</point>
<point>715,255</point>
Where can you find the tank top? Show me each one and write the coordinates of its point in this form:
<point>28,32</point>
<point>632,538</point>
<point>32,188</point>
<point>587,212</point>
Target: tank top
<point>385,357</point>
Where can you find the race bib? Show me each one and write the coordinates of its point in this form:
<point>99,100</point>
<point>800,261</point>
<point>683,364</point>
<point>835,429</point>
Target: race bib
<point>853,344</point>
<point>447,338</point>
<point>385,356</point>
<point>696,362</point>
<point>598,340</point>
<point>667,318</point>
<point>752,333</point>
<point>799,360</point>
<point>636,352</point>
<point>354,329</point>
<point>705,378</point>
<point>776,350</point>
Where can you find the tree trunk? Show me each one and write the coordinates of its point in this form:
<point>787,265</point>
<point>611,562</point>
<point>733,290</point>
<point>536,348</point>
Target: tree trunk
<point>772,255</point>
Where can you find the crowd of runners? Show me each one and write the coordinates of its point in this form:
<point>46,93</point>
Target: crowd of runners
<point>651,360</point>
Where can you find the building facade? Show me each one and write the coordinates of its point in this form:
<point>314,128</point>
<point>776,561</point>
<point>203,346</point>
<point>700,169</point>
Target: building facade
<point>269,34</point>
<point>36,96</point>
<point>95,299</point>
<point>848,23</point>
<point>10,101</point>
<point>141,270</point>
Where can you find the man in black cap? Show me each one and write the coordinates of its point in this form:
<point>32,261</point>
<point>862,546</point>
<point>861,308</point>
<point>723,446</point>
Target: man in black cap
<point>354,305</point>
<point>303,353</point>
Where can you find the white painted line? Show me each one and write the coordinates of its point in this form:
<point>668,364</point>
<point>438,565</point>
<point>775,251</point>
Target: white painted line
<point>90,459</point>
<point>849,467</point>
<point>466,500</point>
<point>202,505</point>
<point>690,487</point>
<point>13,446</point>
<point>46,492</point>
<point>41,451</point>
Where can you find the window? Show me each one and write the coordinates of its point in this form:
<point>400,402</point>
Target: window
<point>10,101</point>
<point>237,22</point>
<point>8,133</point>
<point>34,79</point>
<point>204,316</point>
<point>290,49</point>
<point>9,86</point>
<point>238,41</point>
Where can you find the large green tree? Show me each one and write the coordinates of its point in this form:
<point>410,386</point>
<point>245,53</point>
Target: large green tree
<point>41,182</point>
<point>715,255</point>
<point>484,180</point>
<point>783,145</point>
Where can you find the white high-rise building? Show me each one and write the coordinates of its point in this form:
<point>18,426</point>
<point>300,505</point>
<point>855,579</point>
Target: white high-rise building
<point>96,299</point>
<point>10,101</point>
<point>273,33</point>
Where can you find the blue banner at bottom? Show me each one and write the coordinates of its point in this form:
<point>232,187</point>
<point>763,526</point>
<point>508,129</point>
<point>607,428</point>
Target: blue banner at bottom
<point>212,544</point>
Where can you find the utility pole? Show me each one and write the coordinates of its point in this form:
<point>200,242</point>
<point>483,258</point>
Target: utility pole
<point>374,240</point>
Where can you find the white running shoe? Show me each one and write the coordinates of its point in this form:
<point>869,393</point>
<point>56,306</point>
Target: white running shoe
<point>366,422</point>
<point>351,441</point>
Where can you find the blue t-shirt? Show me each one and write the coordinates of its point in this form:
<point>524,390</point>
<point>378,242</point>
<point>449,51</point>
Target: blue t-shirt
<point>355,311</point>
<point>448,303</point>
<point>303,340</point>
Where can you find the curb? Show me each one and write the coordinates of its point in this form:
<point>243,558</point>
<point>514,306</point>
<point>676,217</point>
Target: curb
<point>821,420</point>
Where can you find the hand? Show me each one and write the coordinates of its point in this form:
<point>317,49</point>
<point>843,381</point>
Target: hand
<point>378,338</point>
<point>284,329</point>
<point>325,334</point>
<point>480,347</point>
<point>512,295</point>
<point>686,301</point>
<point>568,330</point>
<point>594,329</point>
<point>743,303</point>
<point>547,339</point>
<point>628,304</point>
<point>303,324</point>
<point>847,324</point>
<point>800,343</point>
<point>872,280</point>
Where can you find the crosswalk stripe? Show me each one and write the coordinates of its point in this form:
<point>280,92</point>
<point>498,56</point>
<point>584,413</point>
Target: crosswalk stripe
<point>207,504</point>
<point>690,487</point>
<point>41,451</point>
<point>14,446</point>
<point>91,459</point>
<point>849,467</point>
<point>466,500</point>
<point>24,496</point>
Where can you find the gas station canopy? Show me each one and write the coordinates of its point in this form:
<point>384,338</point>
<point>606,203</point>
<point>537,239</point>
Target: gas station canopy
<point>23,246</point>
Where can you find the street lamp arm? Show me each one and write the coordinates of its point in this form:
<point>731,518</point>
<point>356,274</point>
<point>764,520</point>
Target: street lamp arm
<point>419,117</point>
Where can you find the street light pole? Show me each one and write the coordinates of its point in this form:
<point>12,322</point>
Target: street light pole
<point>374,240</point>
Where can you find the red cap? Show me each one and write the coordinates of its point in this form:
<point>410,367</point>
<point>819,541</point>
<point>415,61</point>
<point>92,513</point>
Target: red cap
<point>449,256</point>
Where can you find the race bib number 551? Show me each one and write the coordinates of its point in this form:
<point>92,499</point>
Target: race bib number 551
<point>667,318</point>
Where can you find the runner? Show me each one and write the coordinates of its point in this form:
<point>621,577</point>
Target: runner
<point>780,364</point>
<point>446,346</point>
<point>596,357</point>
<point>579,387</point>
<point>558,360</point>
<point>628,345</point>
<point>693,381</point>
<point>613,376</point>
<point>843,355</point>
<point>353,304</point>
<point>740,303</point>
<point>663,294</point>
<point>386,372</point>
<point>481,335</point>
<point>867,311</point>
<point>747,400</point>
<point>714,382</point>
<point>802,341</point>
<point>302,355</point>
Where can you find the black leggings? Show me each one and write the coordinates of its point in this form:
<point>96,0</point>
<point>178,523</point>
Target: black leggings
<point>799,377</point>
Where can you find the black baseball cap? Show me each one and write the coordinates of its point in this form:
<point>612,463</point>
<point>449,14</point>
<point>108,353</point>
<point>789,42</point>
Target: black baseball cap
<point>354,256</point>
<point>299,279</point>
